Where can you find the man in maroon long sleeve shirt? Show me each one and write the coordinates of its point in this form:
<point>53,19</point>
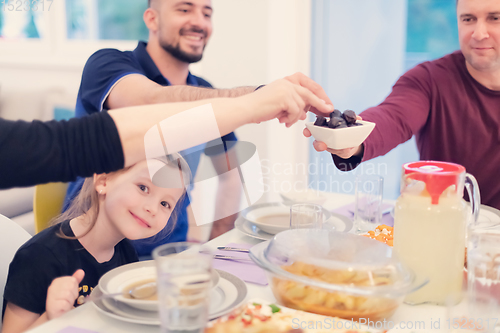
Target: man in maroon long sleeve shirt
<point>451,105</point>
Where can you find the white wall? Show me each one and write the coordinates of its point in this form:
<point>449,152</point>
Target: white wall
<point>254,42</point>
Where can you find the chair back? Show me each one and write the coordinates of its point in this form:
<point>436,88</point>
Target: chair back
<point>48,201</point>
<point>12,236</point>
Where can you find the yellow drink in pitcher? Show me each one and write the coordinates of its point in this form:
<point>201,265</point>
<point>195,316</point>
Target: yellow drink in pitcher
<point>430,239</point>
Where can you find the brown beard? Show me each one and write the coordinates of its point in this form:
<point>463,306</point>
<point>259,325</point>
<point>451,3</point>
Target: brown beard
<point>176,52</point>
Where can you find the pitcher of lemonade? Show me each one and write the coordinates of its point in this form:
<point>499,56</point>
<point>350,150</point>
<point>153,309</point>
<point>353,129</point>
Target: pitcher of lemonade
<point>430,219</point>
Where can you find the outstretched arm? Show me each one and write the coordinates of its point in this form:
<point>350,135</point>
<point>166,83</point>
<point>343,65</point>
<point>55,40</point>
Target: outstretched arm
<point>38,152</point>
<point>136,89</point>
<point>281,99</point>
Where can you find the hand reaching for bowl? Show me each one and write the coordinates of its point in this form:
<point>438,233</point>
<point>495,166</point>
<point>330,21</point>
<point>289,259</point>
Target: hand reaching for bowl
<point>306,82</point>
<point>62,294</point>
<point>287,99</point>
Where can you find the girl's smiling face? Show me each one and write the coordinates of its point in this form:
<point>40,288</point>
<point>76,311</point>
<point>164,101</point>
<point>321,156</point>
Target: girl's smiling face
<point>133,205</point>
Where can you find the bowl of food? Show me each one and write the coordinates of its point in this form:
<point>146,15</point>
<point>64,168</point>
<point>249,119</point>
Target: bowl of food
<point>334,274</point>
<point>340,131</point>
<point>273,217</point>
<point>141,278</point>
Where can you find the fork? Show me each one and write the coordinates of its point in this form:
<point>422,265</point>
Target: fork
<point>228,248</point>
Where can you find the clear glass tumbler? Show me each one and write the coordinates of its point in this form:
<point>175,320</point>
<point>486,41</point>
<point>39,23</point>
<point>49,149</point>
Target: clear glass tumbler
<point>368,202</point>
<point>476,312</point>
<point>483,260</point>
<point>184,272</point>
<point>306,216</point>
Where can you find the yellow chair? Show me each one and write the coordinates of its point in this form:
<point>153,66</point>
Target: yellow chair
<point>47,203</point>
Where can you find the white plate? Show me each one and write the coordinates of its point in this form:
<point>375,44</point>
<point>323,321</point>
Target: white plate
<point>249,229</point>
<point>488,216</point>
<point>278,210</point>
<point>124,276</point>
<point>229,294</point>
<point>336,221</point>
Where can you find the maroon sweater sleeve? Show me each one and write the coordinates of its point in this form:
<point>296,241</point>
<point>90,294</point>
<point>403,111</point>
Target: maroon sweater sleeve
<point>401,115</point>
<point>40,152</point>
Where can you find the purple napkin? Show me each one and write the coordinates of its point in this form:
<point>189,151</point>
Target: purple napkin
<point>348,210</point>
<point>248,271</point>
<point>72,329</point>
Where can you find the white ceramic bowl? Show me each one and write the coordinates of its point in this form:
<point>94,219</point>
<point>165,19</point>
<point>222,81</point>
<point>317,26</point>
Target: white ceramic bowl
<point>306,195</point>
<point>122,277</point>
<point>280,213</point>
<point>342,138</point>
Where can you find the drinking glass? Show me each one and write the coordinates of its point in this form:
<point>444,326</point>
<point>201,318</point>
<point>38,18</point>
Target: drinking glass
<point>184,272</point>
<point>368,202</point>
<point>476,312</point>
<point>304,216</point>
<point>483,260</point>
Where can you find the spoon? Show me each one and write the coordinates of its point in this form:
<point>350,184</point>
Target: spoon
<point>138,292</point>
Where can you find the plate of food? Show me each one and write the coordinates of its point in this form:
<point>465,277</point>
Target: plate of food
<point>260,316</point>
<point>269,217</point>
<point>134,275</point>
<point>336,221</point>
<point>229,294</point>
<point>274,217</point>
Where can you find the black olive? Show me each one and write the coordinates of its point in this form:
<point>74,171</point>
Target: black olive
<point>349,116</point>
<point>336,113</point>
<point>321,121</point>
<point>336,122</point>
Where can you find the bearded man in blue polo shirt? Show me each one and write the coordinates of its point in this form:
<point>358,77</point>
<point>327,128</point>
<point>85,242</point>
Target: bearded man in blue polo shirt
<point>158,72</point>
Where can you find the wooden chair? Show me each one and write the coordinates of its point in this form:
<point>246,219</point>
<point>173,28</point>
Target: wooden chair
<point>47,203</point>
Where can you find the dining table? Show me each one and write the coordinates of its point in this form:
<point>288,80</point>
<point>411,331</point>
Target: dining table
<point>87,319</point>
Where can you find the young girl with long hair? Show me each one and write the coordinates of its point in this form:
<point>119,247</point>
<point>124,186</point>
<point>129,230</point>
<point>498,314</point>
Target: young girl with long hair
<point>58,267</point>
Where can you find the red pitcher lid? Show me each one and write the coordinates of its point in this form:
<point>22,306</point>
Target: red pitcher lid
<point>437,176</point>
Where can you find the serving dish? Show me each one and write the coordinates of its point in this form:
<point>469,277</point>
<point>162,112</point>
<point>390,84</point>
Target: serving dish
<point>342,138</point>
<point>335,274</point>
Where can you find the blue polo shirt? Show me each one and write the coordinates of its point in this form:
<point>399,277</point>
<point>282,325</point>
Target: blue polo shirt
<point>101,72</point>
